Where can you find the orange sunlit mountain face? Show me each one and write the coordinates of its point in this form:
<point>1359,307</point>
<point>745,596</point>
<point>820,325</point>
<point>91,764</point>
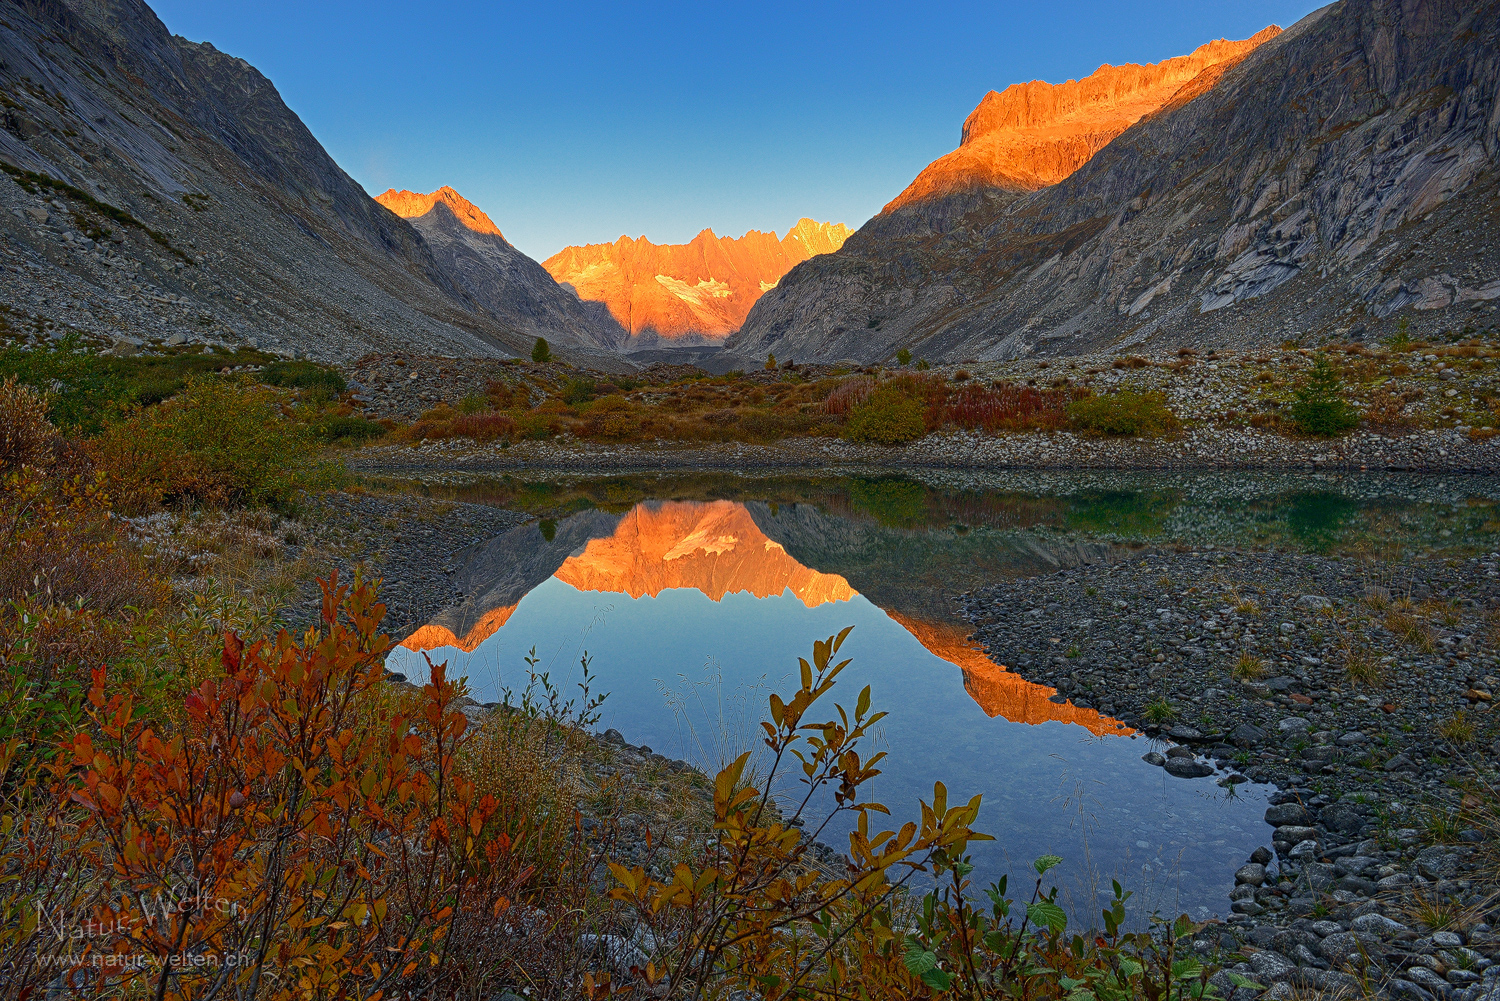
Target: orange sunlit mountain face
<point>702,289</point>
<point>717,548</point>
<point>1034,134</point>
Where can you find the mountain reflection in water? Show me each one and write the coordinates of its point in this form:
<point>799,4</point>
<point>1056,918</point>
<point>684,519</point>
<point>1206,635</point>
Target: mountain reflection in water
<point>694,611</point>
<point>718,548</point>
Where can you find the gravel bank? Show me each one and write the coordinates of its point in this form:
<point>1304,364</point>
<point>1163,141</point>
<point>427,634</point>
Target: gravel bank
<point>1349,682</point>
<point>1448,450</point>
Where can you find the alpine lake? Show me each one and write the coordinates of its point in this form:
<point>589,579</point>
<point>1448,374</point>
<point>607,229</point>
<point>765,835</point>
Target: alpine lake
<point>693,596</point>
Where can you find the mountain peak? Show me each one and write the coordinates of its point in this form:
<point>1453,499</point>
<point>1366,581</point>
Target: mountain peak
<point>1031,135</point>
<point>411,204</point>
<point>700,289</point>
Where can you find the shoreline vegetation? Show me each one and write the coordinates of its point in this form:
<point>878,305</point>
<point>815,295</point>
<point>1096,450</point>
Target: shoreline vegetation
<point>210,789</point>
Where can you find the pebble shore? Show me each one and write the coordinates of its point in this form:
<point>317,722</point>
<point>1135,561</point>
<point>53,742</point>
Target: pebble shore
<point>1445,450</point>
<point>1238,664</point>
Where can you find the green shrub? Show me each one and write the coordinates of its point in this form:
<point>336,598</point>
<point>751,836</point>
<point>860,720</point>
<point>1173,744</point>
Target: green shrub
<point>1319,407</point>
<point>351,428</point>
<point>85,389</point>
<point>888,417</point>
<point>216,443</point>
<point>578,391</point>
<point>903,357</point>
<point>474,403</point>
<point>303,375</point>
<point>1123,413</point>
<point>541,351</point>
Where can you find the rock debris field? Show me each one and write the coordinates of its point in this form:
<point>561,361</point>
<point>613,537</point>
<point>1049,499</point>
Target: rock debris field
<point>1363,691</point>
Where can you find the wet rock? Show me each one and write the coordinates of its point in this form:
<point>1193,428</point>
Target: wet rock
<point>1154,758</point>
<point>1252,873</point>
<point>1261,855</point>
<point>1188,768</point>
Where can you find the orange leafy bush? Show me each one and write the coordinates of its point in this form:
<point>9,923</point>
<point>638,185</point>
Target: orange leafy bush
<point>298,836</point>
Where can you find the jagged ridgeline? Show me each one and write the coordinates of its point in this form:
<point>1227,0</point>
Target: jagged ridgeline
<point>1312,182</point>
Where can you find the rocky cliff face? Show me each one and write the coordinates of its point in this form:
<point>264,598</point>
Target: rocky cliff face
<point>471,251</point>
<point>1338,177</point>
<point>688,293</point>
<point>1034,134</point>
<point>159,189</point>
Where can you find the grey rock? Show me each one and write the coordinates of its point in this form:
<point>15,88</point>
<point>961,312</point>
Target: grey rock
<point>1271,967</point>
<point>1249,907</point>
<point>1252,873</point>
<point>1405,990</point>
<point>1378,924</point>
<point>1296,834</point>
<point>1246,735</point>
<point>1288,813</point>
<point>1437,862</point>
<point>1400,763</point>
<point>1447,939</point>
<point>1188,768</point>
<point>1352,739</point>
<point>1318,875</point>
<point>1325,928</point>
<point>1293,724</point>
<point>1429,981</point>
<point>1314,602</point>
<point>1261,855</point>
<point>1154,758</point>
<point>1344,818</point>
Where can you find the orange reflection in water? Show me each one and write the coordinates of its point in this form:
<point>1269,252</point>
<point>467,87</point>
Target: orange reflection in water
<point>998,691</point>
<point>432,635</point>
<point>715,547</point>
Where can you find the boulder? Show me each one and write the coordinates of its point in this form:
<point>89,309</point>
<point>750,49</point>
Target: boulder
<point>1288,813</point>
<point>1188,768</point>
<point>1252,873</point>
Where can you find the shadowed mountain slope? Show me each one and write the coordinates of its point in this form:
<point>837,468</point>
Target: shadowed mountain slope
<point>155,188</point>
<point>1337,176</point>
<point>472,252</point>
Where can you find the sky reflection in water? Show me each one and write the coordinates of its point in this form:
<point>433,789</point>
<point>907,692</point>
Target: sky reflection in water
<point>682,667</point>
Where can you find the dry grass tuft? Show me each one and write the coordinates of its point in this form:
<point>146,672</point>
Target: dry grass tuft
<point>1248,667</point>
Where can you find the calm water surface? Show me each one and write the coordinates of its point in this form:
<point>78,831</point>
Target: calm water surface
<point>695,595</point>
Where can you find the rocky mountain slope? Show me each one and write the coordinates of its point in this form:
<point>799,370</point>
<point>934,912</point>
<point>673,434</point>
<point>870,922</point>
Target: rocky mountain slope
<point>157,189</point>
<point>1337,180</point>
<point>472,252</point>
<point>1034,134</point>
<point>696,292</point>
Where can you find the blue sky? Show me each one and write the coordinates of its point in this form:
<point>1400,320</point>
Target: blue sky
<point>573,123</point>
